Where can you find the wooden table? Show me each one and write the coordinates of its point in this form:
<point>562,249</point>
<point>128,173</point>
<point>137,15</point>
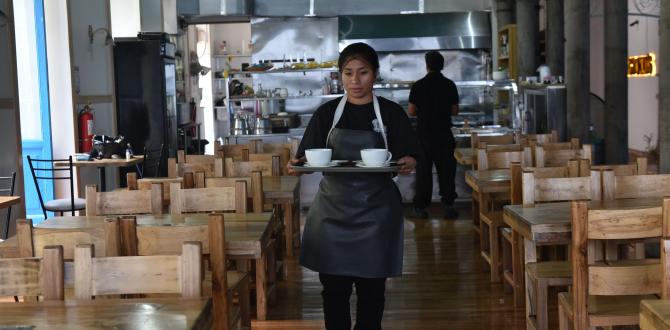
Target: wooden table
<point>101,164</point>
<point>655,314</point>
<point>285,191</point>
<point>162,313</point>
<point>484,184</point>
<point>7,201</point>
<point>464,156</point>
<point>248,236</point>
<point>548,224</point>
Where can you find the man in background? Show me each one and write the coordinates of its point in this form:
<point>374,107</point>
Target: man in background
<point>433,100</point>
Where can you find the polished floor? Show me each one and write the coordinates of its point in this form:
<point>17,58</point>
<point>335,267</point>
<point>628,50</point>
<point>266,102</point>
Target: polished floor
<point>445,285</point>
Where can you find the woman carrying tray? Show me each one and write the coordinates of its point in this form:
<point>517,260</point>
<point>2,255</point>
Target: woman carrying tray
<point>354,229</point>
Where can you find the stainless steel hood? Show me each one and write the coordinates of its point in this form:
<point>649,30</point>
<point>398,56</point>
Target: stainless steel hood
<point>388,33</point>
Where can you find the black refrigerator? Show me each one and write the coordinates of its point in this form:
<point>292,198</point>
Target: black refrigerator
<point>146,103</point>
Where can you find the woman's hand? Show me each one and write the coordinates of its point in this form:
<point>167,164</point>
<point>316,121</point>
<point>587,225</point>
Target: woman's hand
<point>294,161</point>
<point>407,164</point>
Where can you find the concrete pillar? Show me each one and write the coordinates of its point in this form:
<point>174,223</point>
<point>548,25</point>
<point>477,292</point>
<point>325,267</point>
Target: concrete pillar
<point>527,20</point>
<point>577,68</point>
<point>504,12</point>
<point>616,81</point>
<point>555,37</point>
<point>663,68</point>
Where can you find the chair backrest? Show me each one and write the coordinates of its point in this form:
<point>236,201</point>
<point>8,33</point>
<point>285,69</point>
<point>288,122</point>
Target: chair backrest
<point>244,168</point>
<point>634,186</point>
<point>32,240</point>
<point>208,199</point>
<point>45,169</point>
<point>640,167</point>
<point>152,162</point>
<point>211,166</point>
<point>572,144</point>
<point>560,157</point>
<point>255,181</point>
<point>502,159</point>
<point>593,276</point>
<point>527,139</point>
<point>475,139</point>
<point>516,175</point>
<point>273,148</point>
<point>148,183</point>
<point>238,151</point>
<point>176,274</point>
<point>555,189</point>
<point>284,156</point>
<point>124,201</point>
<point>7,184</point>
<point>34,276</point>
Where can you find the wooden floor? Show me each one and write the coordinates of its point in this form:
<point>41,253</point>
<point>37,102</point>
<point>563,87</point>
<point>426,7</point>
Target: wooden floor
<point>444,285</point>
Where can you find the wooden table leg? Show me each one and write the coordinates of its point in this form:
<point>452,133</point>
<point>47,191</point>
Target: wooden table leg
<point>518,268</point>
<point>288,228</point>
<point>261,288</point>
<point>475,212</point>
<point>530,255</point>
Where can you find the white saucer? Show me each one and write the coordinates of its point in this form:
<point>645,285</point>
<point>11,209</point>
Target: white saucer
<point>372,166</point>
<point>331,164</point>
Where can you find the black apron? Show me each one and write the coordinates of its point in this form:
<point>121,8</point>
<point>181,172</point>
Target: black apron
<point>355,224</point>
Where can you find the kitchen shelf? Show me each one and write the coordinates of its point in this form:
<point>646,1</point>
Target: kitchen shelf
<point>285,71</point>
<point>509,32</point>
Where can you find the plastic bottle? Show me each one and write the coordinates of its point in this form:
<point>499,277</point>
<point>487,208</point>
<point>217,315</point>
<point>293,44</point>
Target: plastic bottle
<point>129,152</point>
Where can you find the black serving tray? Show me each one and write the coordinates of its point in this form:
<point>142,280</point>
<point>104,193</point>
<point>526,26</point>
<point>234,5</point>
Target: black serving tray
<point>347,166</point>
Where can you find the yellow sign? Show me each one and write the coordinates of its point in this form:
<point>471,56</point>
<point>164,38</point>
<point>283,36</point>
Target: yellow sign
<point>642,66</point>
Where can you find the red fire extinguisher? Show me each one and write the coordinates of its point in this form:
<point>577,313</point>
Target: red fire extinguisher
<point>86,129</point>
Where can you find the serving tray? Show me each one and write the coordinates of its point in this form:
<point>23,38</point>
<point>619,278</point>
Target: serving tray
<point>347,167</point>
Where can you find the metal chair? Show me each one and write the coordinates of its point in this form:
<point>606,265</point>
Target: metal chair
<point>61,204</point>
<point>9,192</point>
<point>152,163</point>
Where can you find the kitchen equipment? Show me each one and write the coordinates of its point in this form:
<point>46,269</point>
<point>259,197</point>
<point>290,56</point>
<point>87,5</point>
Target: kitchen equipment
<point>544,73</point>
<point>283,121</point>
<point>240,126</point>
<point>263,125</point>
<point>268,106</point>
<point>183,113</point>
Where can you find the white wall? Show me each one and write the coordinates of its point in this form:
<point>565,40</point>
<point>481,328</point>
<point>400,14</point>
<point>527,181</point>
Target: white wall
<point>96,73</point>
<point>60,84</point>
<point>125,17</point>
<point>642,92</point>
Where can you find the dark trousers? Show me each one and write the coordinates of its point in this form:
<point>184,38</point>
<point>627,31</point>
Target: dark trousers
<point>336,293</point>
<point>441,153</point>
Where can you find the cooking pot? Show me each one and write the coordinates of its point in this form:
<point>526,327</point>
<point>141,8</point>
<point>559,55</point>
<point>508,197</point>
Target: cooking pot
<point>269,106</point>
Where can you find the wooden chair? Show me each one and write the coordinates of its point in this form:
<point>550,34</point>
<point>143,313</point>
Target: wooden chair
<point>544,274</point>
<point>560,157</point>
<point>527,139</point>
<point>634,186</point>
<point>284,157</point>
<point>608,293</point>
<point>273,148</point>
<point>164,183</point>
<point>255,194</point>
<point>475,139</point>
<point>238,151</point>
<point>212,166</point>
<point>31,277</point>
<point>178,274</point>
<point>208,199</point>
<point>487,160</point>
<point>638,168</point>
<point>516,195</point>
<point>147,241</point>
<point>124,201</point>
<point>244,168</point>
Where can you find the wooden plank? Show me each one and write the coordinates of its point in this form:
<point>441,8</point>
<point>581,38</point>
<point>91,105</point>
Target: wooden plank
<point>655,315</point>
<point>562,189</point>
<point>579,211</point>
<point>20,277</point>
<point>128,231</point>
<point>191,270</point>
<point>638,186</point>
<point>52,274</point>
<point>625,224</point>
<point>126,275</point>
<point>609,280</point>
<point>217,237</point>
<point>83,272</point>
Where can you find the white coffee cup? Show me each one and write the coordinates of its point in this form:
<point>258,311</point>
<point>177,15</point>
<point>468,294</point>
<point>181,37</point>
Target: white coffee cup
<point>375,157</point>
<point>318,157</point>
